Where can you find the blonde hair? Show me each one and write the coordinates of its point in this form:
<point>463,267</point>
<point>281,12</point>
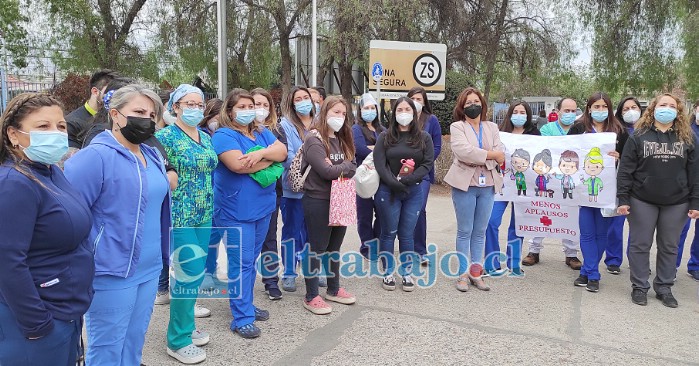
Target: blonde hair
<point>680,125</point>
<point>595,156</point>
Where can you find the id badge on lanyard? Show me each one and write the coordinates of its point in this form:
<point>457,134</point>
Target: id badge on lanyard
<point>481,180</point>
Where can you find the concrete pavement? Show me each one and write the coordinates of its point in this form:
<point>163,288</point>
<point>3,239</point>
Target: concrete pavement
<point>541,319</point>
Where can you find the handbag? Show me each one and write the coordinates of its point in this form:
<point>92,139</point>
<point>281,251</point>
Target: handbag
<point>343,202</point>
<point>366,178</point>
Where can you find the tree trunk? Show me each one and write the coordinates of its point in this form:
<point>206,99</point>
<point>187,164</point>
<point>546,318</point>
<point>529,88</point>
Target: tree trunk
<point>285,52</point>
<point>491,54</point>
<point>345,70</point>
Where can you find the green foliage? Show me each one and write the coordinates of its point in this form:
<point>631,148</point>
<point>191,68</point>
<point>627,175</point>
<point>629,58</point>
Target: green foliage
<point>456,82</point>
<point>13,35</point>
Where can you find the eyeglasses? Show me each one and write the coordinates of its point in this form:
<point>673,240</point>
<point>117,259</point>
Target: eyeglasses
<point>192,105</point>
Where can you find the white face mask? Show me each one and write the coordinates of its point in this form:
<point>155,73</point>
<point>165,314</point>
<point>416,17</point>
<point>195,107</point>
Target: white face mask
<point>404,119</point>
<point>631,116</point>
<point>213,126</point>
<point>418,106</point>
<point>336,123</point>
<point>261,115</point>
<point>169,119</point>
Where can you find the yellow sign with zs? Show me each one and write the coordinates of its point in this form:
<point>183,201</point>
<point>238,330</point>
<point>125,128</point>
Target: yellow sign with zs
<point>399,66</point>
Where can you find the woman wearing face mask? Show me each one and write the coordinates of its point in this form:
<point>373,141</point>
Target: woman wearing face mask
<point>429,124</point>
<point>124,183</point>
<point>474,177</point>
<point>628,111</point>
<point>241,203</point>
<point>192,154</point>
<point>365,132</point>
<point>658,187</point>
<point>297,120</point>
<point>46,267</point>
<point>403,156</point>
<point>330,154</point>
<point>209,123</point>
<point>567,108</point>
<point>266,117</point>
<point>518,120</point>
<point>693,263</point>
<point>598,117</point>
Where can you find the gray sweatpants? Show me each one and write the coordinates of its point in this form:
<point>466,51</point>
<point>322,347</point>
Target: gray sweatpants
<point>667,222</point>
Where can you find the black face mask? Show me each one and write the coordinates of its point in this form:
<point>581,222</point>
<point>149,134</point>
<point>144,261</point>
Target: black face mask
<point>473,111</point>
<point>137,129</point>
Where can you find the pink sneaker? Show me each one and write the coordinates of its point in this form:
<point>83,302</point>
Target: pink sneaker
<point>342,297</point>
<point>317,306</point>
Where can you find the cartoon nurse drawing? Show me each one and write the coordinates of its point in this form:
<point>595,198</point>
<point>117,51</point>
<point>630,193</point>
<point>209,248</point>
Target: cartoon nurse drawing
<point>593,167</point>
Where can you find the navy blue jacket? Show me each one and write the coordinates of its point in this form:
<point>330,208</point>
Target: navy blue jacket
<point>435,130</point>
<point>109,177</point>
<point>46,266</point>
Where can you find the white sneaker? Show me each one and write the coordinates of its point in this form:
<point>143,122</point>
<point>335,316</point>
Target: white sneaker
<point>162,298</point>
<point>201,312</point>
<point>200,338</point>
<point>188,355</point>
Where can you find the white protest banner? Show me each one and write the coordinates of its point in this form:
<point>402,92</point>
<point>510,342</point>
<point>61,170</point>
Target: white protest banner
<point>540,218</point>
<point>569,170</point>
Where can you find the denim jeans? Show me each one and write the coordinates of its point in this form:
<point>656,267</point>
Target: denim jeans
<point>398,214</point>
<point>421,226</point>
<point>294,234</point>
<point>473,208</point>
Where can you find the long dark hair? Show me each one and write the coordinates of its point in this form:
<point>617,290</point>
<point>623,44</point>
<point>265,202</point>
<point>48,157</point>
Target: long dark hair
<point>345,133</point>
<point>426,107</point>
<point>611,124</point>
<point>414,131</point>
<point>620,108</point>
<point>507,125</point>
<point>289,111</point>
<point>211,111</point>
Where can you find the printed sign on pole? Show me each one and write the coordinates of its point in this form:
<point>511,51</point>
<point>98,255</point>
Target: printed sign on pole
<point>408,64</point>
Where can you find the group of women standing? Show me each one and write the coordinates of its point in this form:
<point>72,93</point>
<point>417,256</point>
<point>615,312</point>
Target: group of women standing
<point>96,239</point>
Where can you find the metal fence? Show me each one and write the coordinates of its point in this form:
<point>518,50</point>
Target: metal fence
<point>11,87</point>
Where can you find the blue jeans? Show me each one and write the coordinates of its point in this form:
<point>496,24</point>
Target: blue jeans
<point>593,240</point>
<point>117,322</point>
<point>492,239</point>
<point>693,263</point>
<point>398,213</point>
<point>243,246</point>
<point>473,208</point>
<point>614,254</point>
<point>294,234</point>
<point>421,226</point>
<point>59,347</point>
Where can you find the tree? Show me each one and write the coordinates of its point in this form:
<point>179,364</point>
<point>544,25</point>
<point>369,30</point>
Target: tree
<point>13,34</point>
<point>98,34</point>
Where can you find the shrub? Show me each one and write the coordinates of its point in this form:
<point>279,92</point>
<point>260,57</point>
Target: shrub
<point>443,162</point>
<point>73,91</point>
<point>444,110</point>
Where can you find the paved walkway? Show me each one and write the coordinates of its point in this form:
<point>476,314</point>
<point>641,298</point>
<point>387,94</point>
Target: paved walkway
<point>539,320</point>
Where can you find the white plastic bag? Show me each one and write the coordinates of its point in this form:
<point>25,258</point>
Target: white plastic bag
<point>366,178</point>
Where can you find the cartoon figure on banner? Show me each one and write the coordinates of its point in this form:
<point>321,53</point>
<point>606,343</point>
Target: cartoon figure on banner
<point>520,163</point>
<point>541,166</point>
<point>594,164</point>
<point>568,165</point>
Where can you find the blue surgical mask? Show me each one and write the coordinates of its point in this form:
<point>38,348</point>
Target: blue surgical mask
<point>599,116</point>
<point>304,107</point>
<point>192,116</point>
<point>518,120</point>
<point>568,119</point>
<point>245,117</point>
<point>665,115</point>
<point>46,147</point>
<point>368,115</point>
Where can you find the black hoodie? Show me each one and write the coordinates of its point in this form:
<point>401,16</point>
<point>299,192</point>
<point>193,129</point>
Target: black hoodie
<point>657,168</point>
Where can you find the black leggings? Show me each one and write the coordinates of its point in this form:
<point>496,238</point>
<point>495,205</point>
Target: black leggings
<point>323,239</point>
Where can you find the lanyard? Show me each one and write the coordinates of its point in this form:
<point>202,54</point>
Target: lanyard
<point>479,136</point>
<point>560,129</point>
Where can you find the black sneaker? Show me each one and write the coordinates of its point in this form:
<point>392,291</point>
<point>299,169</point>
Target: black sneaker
<point>592,285</point>
<point>667,299</point>
<point>694,274</point>
<point>639,297</point>
<point>274,293</point>
<point>389,283</point>
<point>615,270</point>
<point>580,281</point>
<point>261,315</point>
<point>408,284</point>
